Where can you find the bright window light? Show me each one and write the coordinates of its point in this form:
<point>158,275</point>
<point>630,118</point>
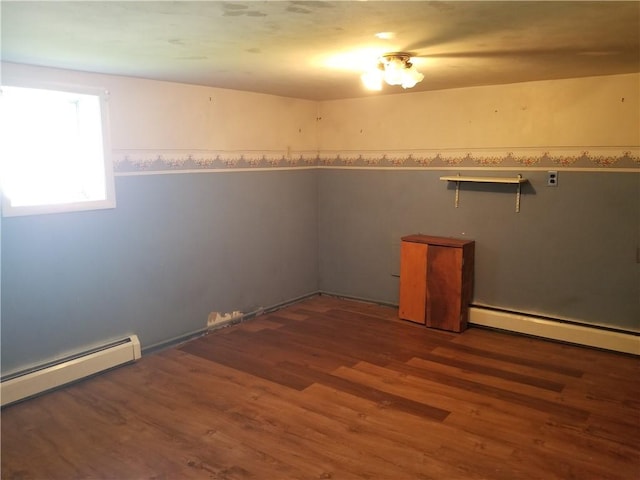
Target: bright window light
<point>54,154</point>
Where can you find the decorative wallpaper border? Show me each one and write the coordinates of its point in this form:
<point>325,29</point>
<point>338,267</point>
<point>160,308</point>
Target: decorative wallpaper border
<point>574,158</point>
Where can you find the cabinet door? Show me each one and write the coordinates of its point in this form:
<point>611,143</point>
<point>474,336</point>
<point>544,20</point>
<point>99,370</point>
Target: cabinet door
<point>413,281</point>
<point>444,288</point>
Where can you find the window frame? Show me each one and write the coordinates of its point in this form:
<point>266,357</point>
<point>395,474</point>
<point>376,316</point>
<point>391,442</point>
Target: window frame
<point>109,202</point>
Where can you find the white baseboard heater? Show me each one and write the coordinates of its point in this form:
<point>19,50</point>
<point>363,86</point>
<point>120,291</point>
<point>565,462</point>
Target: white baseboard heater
<point>556,330</point>
<point>52,375</point>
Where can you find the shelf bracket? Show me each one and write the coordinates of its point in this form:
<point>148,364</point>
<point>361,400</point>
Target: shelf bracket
<point>518,194</point>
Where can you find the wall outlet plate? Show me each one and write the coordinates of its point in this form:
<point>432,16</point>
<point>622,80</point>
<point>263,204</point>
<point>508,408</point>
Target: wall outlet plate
<point>552,178</point>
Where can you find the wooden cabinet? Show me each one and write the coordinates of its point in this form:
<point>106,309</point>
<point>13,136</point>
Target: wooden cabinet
<point>436,281</point>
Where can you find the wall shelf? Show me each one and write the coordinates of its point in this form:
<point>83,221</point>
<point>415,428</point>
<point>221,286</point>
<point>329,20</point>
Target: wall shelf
<point>466,178</point>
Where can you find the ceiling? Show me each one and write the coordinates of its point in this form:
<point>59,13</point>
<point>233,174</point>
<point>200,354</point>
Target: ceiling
<point>318,49</point>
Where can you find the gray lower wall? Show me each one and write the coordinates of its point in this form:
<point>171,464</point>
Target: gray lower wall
<point>176,248</point>
<point>570,253</point>
<point>180,246</point>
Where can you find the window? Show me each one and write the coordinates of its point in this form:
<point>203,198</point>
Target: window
<point>54,151</point>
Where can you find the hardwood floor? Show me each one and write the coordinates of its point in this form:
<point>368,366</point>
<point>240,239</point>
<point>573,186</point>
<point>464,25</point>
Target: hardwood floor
<point>337,389</point>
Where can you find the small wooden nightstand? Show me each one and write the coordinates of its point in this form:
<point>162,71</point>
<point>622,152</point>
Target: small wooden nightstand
<point>436,281</point>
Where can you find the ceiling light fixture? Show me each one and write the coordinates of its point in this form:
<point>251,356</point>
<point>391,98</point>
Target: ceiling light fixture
<point>395,69</point>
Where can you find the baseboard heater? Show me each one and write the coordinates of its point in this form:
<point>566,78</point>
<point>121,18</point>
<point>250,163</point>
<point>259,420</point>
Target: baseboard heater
<point>56,374</point>
<point>580,334</point>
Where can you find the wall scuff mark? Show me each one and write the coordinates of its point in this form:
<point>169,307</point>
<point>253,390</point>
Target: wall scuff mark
<point>215,318</point>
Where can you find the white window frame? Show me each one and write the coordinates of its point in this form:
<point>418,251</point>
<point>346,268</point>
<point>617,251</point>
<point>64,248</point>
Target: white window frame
<point>9,210</point>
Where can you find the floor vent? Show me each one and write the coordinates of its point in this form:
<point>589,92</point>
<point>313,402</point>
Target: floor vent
<point>32,382</point>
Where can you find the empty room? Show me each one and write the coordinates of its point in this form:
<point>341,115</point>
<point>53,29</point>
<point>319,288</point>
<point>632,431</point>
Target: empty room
<point>320,240</point>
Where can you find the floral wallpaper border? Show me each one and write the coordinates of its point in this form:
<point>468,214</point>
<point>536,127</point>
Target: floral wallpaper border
<point>575,158</point>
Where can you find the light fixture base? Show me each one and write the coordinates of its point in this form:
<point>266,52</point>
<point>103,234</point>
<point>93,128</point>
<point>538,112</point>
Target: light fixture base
<point>404,57</point>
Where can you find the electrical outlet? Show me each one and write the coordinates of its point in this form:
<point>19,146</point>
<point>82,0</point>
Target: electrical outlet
<point>552,178</point>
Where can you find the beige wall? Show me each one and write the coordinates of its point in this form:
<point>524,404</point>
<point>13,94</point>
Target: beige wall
<point>575,112</point>
<point>153,115</point>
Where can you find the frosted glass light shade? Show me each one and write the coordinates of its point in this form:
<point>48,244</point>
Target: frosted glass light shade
<point>393,69</point>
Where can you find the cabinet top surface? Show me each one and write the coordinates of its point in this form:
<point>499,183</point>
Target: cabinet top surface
<point>445,241</point>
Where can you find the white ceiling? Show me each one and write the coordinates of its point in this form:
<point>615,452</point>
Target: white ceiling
<point>315,49</point>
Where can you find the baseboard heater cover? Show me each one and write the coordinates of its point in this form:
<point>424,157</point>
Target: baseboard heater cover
<point>555,330</point>
<point>39,380</point>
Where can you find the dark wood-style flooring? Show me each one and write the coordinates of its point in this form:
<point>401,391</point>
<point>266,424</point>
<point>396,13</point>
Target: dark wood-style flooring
<point>338,389</point>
